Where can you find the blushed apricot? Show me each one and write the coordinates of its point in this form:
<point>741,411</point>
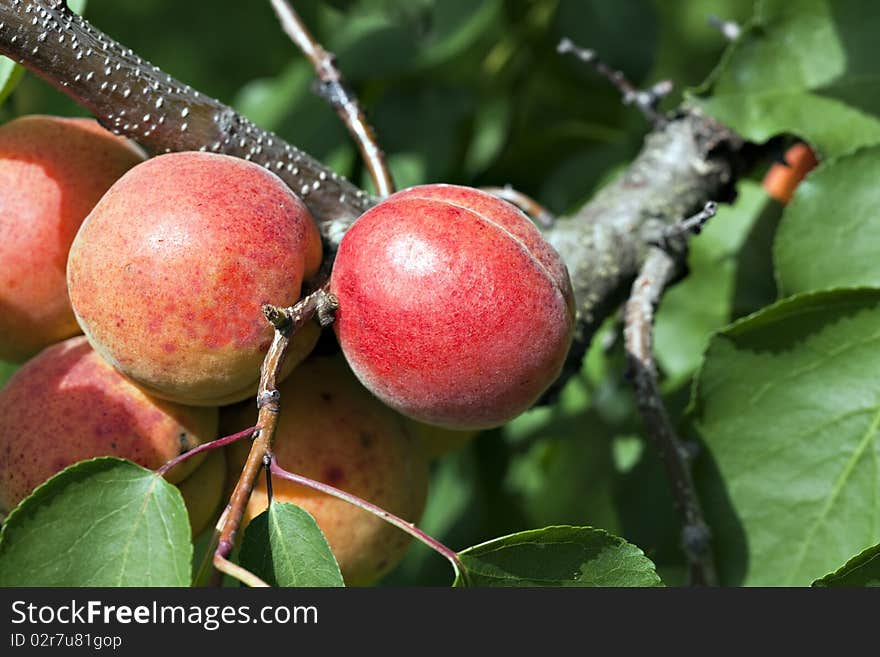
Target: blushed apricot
<point>453,309</point>
<point>170,270</point>
<point>67,404</point>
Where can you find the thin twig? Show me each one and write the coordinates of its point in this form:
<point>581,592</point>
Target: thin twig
<point>692,225</point>
<point>333,88</point>
<point>398,522</point>
<point>657,272</point>
<point>537,212</point>
<point>214,444</point>
<point>646,100</point>
<point>286,322</point>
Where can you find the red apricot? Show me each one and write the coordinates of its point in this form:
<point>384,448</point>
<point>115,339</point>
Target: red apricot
<point>453,309</point>
<point>168,274</point>
<point>52,172</point>
<point>332,430</point>
<point>67,404</point>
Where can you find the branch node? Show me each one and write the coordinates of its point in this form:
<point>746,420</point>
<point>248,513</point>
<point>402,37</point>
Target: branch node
<point>269,399</point>
<point>327,306</point>
<point>277,317</point>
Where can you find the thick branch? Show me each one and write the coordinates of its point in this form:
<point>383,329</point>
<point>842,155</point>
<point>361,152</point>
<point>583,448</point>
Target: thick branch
<point>658,271</point>
<point>132,97</point>
<point>689,161</point>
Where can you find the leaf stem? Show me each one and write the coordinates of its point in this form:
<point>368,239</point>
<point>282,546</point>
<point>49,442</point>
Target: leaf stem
<point>408,527</point>
<point>205,447</point>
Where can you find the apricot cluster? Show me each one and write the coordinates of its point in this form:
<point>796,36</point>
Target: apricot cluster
<point>454,315</point>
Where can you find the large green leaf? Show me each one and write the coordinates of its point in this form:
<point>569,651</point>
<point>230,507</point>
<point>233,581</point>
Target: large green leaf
<point>556,556</point>
<point>830,233</point>
<point>284,546</point>
<point>102,522</point>
<point>862,570</point>
<point>807,68</point>
<point>788,404</point>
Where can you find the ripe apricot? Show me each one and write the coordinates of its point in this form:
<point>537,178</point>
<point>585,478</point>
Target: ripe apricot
<point>52,172</point>
<point>453,309</point>
<point>168,274</point>
<point>67,404</point>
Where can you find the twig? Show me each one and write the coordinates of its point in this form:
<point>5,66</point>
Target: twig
<point>333,88</point>
<point>729,29</point>
<point>692,225</point>
<point>214,444</point>
<point>658,271</point>
<point>537,212</point>
<point>286,322</point>
<point>646,100</point>
<point>398,522</point>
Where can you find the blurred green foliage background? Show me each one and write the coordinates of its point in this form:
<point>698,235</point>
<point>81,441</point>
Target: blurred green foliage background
<point>473,92</point>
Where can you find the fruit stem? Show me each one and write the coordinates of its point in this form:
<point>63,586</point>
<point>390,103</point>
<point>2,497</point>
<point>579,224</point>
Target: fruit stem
<point>287,321</point>
<point>214,444</point>
<point>398,522</point>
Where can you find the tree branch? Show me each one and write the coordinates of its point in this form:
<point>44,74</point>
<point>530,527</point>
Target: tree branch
<point>658,271</point>
<point>681,166</point>
<point>334,90</point>
<point>131,97</point>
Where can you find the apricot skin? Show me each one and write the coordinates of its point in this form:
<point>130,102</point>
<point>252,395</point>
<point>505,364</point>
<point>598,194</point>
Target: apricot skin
<point>170,270</point>
<point>453,309</point>
<point>67,404</point>
<point>332,430</point>
<point>52,172</point>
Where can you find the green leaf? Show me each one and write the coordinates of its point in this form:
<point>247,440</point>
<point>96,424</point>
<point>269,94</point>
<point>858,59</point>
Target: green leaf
<point>455,25</point>
<point>806,68</point>
<point>285,547</point>
<point>830,233</point>
<point>10,74</point>
<point>102,522</point>
<point>788,404</point>
<point>703,302</point>
<point>862,570</point>
<point>556,556</point>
